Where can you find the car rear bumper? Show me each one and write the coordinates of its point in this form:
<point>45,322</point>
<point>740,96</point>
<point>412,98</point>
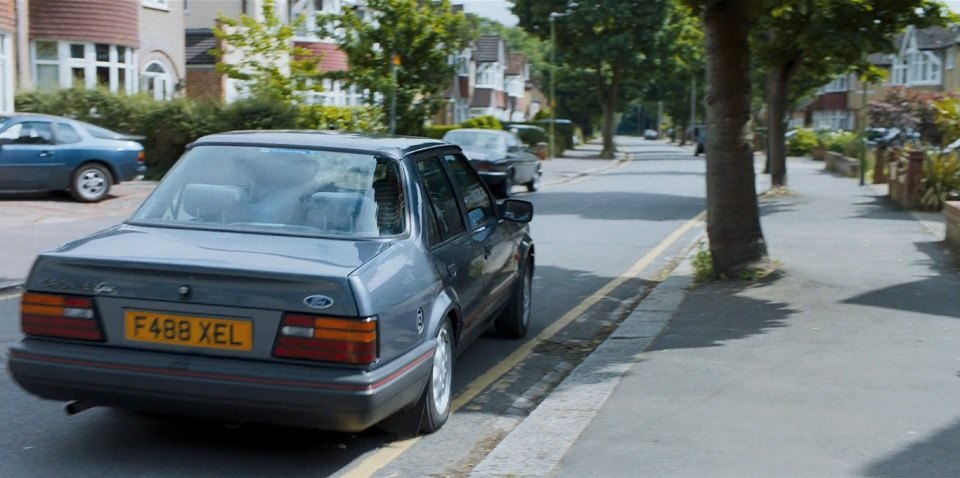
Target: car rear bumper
<point>493,177</point>
<point>221,388</point>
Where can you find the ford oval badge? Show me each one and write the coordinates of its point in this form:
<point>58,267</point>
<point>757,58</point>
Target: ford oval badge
<point>318,302</point>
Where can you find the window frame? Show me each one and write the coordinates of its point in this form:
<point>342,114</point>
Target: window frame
<point>461,198</point>
<point>89,64</point>
<point>156,4</point>
<point>429,203</point>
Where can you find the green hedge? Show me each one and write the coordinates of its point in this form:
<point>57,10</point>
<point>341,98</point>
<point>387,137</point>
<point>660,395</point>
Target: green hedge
<point>437,131</point>
<point>169,126</point>
<point>485,122</point>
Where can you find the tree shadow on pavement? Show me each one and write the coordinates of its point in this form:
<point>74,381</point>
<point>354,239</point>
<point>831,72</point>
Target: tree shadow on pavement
<point>879,207</point>
<point>619,205</point>
<point>934,457</point>
<point>719,312</point>
<point>935,295</point>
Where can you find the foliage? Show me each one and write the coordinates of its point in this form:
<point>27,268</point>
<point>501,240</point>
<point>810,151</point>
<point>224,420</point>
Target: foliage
<point>941,179</point>
<point>948,117</point>
<point>268,63</point>
<point>679,61</point>
<point>844,142</point>
<point>802,143</point>
<point>611,42</point>
<point>340,118</point>
<point>259,112</point>
<point>437,131</point>
<point>400,51</point>
<point>169,126</point>
<point>484,122</point>
<point>908,110</point>
<point>702,263</point>
<point>536,49</point>
<point>804,43</point>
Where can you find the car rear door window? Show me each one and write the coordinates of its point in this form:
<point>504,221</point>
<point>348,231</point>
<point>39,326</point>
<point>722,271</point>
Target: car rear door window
<point>476,200</point>
<point>443,202</point>
<point>66,134</point>
<point>35,132</point>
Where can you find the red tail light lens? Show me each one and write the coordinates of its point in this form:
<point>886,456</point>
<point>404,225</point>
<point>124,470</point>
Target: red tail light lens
<point>61,316</point>
<point>327,339</point>
<point>141,158</point>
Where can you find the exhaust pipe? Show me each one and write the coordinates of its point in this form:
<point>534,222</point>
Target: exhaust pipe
<point>77,406</point>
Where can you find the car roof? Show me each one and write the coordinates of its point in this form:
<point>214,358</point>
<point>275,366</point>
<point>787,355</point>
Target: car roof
<point>395,146</point>
<point>477,130</point>
<point>36,116</point>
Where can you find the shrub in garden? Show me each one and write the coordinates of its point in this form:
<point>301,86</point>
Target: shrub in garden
<point>485,122</point>
<point>340,118</point>
<point>941,179</point>
<point>802,143</point>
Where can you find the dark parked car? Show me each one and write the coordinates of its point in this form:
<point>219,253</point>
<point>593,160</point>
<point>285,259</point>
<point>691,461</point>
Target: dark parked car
<point>302,278</point>
<point>698,134</point>
<point>500,158</point>
<point>51,153</point>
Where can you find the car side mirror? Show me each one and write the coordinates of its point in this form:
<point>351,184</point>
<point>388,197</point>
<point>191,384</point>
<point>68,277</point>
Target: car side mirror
<point>514,149</point>
<point>516,210</point>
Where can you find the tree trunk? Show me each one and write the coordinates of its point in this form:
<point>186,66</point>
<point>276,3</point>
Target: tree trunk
<point>609,116</point>
<point>682,132</point>
<point>777,81</point>
<point>733,217</point>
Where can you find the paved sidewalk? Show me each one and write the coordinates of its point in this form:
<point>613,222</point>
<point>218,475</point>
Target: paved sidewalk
<point>844,364</point>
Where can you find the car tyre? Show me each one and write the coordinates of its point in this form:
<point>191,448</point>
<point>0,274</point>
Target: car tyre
<point>435,402</point>
<point>534,183</point>
<point>91,182</point>
<point>514,321</point>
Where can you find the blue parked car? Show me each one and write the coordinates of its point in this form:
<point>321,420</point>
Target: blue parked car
<point>293,277</point>
<point>52,153</point>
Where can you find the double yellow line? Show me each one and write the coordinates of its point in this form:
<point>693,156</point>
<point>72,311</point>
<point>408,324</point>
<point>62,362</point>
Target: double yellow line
<point>385,455</point>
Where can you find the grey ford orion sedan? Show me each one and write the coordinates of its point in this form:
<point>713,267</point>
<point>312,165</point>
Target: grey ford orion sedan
<point>290,277</point>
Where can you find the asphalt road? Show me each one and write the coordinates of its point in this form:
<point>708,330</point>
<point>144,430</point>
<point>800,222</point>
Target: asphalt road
<point>589,230</point>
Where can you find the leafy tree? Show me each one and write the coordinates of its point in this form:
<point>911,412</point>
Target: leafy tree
<point>611,40</point>
<point>269,64</point>
<point>820,39</point>
<point>681,59</point>
<point>400,53</point>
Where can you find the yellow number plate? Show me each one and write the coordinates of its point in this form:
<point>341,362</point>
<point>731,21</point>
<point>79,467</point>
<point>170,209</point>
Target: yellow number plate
<point>188,331</point>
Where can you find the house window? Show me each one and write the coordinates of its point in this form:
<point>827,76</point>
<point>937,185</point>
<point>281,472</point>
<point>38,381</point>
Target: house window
<point>157,81</point>
<point>924,68</point>
<point>832,119</point>
<point>84,65</point>
<point>486,76</point>
<point>839,84</point>
<point>158,4</point>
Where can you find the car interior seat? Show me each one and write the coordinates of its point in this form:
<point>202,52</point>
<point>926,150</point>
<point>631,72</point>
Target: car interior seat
<point>215,203</point>
<point>342,212</point>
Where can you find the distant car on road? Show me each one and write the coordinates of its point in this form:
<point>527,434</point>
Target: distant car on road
<point>698,134</point>
<point>500,158</point>
<point>301,278</point>
<point>52,153</point>
<point>650,134</point>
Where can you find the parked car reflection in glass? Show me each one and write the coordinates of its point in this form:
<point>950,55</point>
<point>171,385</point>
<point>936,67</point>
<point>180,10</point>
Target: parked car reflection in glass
<point>300,278</point>
<point>51,153</point>
<point>500,157</point>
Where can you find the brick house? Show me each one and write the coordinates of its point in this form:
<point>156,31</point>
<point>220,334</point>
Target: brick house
<point>202,18</point>
<point>121,45</point>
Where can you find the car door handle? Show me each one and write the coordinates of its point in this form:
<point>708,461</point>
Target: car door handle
<point>487,250</point>
<point>46,154</point>
<point>452,270</point>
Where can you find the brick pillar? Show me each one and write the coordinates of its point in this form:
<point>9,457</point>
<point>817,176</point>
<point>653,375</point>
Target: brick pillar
<point>880,165</point>
<point>914,176</point>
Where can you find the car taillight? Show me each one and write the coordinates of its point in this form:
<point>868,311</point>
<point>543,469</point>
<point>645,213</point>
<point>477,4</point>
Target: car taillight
<point>61,316</point>
<point>327,339</point>
<point>482,166</point>
<point>141,158</point>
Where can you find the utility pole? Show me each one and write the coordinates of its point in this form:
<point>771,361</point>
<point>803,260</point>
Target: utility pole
<point>693,100</point>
